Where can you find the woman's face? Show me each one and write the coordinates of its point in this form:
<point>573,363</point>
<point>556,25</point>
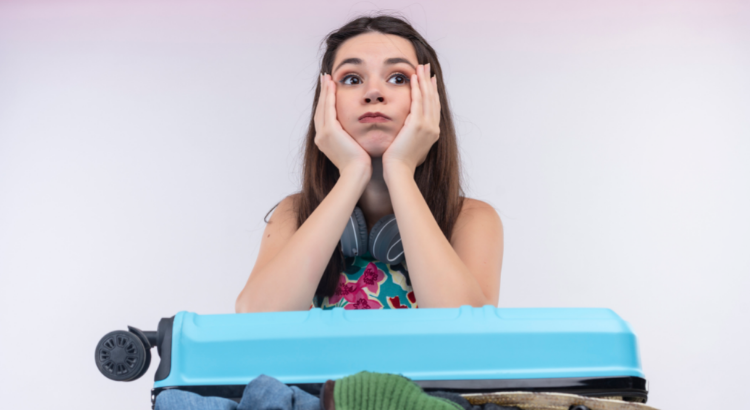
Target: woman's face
<point>372,73</point>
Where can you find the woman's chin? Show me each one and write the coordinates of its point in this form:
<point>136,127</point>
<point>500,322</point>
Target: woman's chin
<point>375,153</point>
<point>376,147</point>
<point>376,150</point>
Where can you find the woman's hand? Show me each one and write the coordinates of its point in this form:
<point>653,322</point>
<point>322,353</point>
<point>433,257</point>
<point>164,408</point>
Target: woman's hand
<point>421,128</point>
<point>330,137</point>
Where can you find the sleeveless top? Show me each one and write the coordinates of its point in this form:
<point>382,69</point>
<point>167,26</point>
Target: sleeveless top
<point>367,283</point>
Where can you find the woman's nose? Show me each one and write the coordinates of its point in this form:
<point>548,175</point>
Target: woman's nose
<point>373,95</point>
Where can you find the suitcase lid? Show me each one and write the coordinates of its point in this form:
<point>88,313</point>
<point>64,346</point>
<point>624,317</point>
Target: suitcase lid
<point>463,343</point>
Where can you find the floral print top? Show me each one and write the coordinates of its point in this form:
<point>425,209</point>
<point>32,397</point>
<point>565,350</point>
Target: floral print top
<point>367,283</point>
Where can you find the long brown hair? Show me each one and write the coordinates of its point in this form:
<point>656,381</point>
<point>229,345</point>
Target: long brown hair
<point>438,178</point>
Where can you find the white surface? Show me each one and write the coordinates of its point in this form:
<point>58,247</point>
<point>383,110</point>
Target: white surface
<point>141,145</point>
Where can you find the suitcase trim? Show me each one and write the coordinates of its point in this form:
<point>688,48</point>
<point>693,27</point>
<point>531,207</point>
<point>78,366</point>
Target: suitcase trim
<point>631,388</point>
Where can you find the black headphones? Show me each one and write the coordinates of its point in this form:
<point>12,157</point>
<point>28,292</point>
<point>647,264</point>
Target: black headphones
<point>383,242</point>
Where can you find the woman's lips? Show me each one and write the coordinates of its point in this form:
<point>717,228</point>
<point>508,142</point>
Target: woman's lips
<point>374,119</point>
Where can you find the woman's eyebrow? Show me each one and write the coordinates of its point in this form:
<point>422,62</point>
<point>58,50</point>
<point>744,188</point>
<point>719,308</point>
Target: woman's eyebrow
<point>390,61</point>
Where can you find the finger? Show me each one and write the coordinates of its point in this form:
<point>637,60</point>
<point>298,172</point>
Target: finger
<point>422,90</point>
<point>416,95</point>
<point>331,102</point>
<point>436,99</point>
<point>321,108</point>
<point>425,85</point>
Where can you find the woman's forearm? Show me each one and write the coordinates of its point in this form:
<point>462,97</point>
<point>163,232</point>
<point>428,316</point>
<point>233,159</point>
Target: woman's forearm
<point>439,277</point>
<point>289,280</point>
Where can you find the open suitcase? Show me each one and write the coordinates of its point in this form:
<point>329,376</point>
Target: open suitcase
<point>583,351</point>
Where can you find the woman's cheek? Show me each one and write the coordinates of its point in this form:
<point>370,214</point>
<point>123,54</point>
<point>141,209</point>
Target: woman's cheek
<point>343,115</point>
<point>339,107</point>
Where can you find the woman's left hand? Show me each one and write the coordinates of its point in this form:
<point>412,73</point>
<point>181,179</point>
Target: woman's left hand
<point>421,128</point>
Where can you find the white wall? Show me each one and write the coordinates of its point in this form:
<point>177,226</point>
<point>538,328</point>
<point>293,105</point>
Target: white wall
<point>142,143</point>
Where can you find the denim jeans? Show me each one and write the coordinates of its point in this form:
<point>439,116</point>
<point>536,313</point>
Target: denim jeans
<point>263,393</point>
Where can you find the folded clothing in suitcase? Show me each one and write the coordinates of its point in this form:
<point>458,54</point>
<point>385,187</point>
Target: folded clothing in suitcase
<point>585,351</point>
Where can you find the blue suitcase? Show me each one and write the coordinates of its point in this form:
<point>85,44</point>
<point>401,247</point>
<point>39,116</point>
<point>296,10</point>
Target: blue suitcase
<point>585,351</point>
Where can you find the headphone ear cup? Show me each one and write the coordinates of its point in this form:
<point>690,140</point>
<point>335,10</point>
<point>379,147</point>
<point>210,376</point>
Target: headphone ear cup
<point>385,241</point>
<point>354,238</point>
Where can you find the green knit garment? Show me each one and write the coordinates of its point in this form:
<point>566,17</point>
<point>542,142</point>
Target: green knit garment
<point>385,391</point>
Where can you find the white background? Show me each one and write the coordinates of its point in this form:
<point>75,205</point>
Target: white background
<point>142,143</point>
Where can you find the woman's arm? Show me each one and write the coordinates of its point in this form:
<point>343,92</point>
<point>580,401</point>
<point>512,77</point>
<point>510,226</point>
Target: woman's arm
<point>290,264</point>
<point>439,276</point>
<point>291,261</point>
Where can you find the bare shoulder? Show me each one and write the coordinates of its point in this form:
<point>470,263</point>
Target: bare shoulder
<point>292,200</point>
<point>471,203</point>
<point>476,213</point>
<point>285,212</point>
<point>474,207</point>
<point>281,226</point>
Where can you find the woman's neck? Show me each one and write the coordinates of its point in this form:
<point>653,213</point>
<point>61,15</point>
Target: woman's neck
<point>375,202</point>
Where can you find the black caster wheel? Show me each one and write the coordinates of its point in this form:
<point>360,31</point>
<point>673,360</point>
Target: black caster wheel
<point>147,344</point>
<point>578,407</point>
<point>122,356</point>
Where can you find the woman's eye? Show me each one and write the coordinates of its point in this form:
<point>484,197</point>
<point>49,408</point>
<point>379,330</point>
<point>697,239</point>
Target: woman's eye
<point>354,80</point>
<point>346,78</point>
<point>402,78</point>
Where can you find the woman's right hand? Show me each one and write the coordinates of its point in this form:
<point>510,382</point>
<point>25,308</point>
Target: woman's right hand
<point>330,136</point>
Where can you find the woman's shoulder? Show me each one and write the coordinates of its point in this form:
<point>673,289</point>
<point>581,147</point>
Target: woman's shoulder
<point>291,202</point>
<point>293,198</point>
<point>475,213</point>
<point>285,210</point>
<point>472,204</point>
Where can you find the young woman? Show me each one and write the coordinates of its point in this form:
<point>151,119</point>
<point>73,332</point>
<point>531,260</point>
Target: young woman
<point>380,143</point>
